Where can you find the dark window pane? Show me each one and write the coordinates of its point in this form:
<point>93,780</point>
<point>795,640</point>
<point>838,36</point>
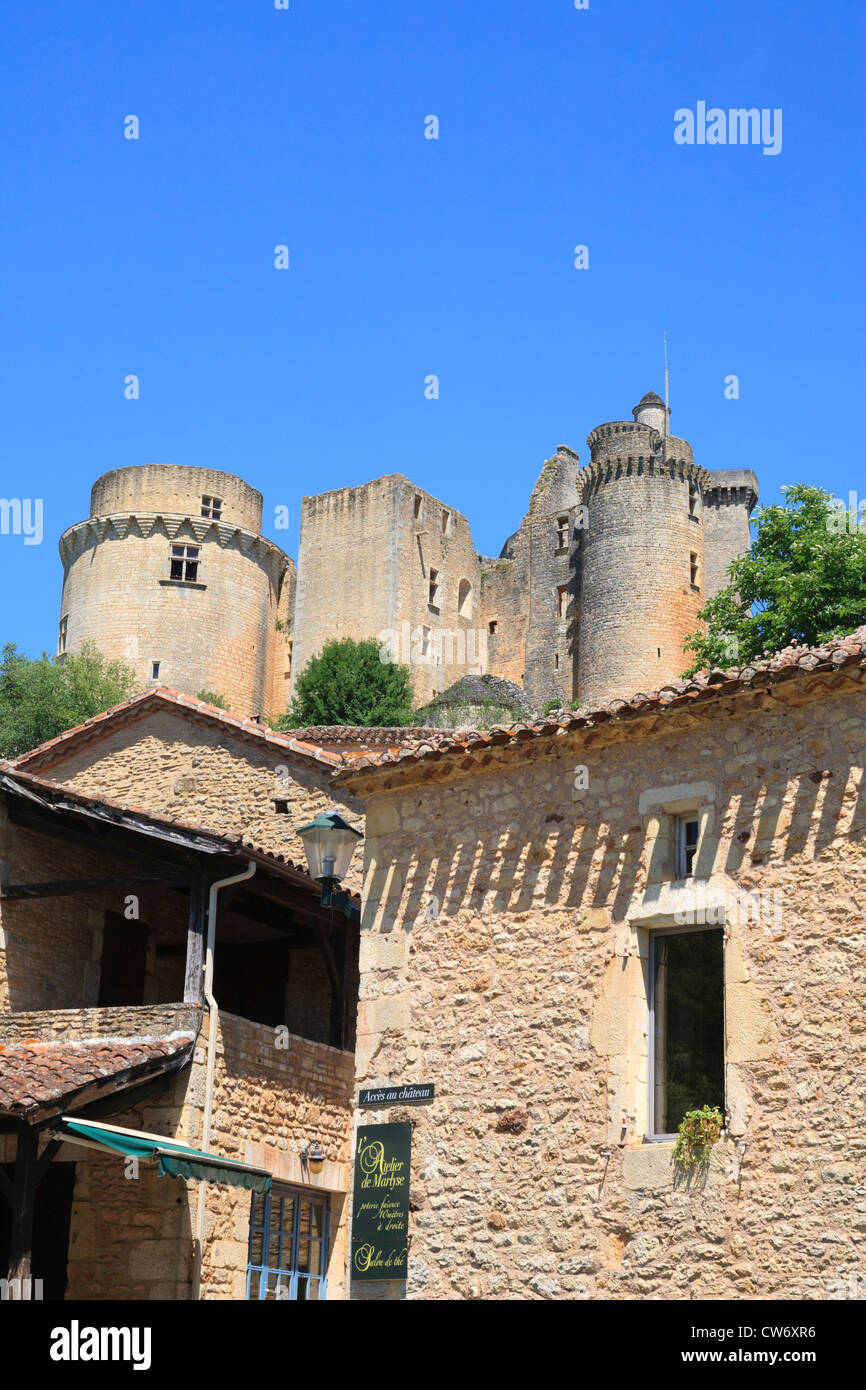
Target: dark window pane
<point>177,569</point>
<point>191,570</point>
<point>688,1005</point>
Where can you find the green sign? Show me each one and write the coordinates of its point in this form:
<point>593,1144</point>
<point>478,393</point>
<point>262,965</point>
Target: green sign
<point>380,1209</point>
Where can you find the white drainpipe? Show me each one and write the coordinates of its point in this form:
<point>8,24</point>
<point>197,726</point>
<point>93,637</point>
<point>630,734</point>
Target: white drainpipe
<point>212,1024</point>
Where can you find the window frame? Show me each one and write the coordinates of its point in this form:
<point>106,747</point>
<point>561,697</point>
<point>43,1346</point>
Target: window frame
<point>682,871</point>
<point>211,507</point>
<point>285,1192</point>
<point>185,561</point>
<point>652,1136</point>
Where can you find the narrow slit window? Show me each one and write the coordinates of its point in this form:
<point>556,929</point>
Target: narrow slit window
<point>446,522</point>
<point>154,671</point>
<point>61,635</point>
<point>417,506</point>
<point>562,600</point>
<point>687,1032</point>
<point>184,563</point>
<point>433,590</point>
<point>491,627</point>
<point>693,500</point>
<point>693,569</point>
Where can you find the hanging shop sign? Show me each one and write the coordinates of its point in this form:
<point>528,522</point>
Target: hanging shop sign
<point>397,1095</point>
<point>380,1207</point>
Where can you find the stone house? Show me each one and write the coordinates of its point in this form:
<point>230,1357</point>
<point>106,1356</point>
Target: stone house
<point>116,841</point>
<point>581,929</point>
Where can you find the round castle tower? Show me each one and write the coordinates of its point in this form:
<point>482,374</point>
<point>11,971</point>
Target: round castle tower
<point>642,556</point>
<point>170,574</point>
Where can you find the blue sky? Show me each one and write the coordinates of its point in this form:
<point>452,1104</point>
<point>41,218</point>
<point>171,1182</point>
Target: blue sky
<point>411,257</point>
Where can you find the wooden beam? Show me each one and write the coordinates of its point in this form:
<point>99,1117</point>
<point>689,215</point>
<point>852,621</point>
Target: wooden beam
<point>13,892</point>
<point>23,1202</point>
<point>338,996</point>
<point>193,988</point>
<point>50,1152</point>
<point>93,839</point>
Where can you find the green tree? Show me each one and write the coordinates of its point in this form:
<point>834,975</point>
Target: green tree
<point>349,684</point>
<point>40,698</point>
<point>802,581</point>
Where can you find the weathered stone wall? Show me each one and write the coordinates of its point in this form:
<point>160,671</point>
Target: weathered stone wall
<point>364,566</point>
<point>218,633</point>
<point>178,488</point>
<point>728,503</point>
<point>637,601</point>
<point>50,947</point>
<point>199,772</point>
<point>503,957</point>
<point>131,1237</point>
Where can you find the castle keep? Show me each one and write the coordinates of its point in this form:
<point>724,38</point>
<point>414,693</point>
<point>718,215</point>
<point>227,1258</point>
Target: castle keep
<point>590,599</point>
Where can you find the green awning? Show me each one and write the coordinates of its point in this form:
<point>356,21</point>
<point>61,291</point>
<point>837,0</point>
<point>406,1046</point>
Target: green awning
<point>175,1160</point>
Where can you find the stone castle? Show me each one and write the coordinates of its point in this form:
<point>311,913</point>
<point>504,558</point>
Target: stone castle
<point>591,598</point>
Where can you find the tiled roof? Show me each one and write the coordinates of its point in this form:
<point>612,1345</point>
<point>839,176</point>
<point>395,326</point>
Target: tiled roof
<point>39,1075</point>
<point>64,798</point>
<point>128,711</point>
<point>840,652</point>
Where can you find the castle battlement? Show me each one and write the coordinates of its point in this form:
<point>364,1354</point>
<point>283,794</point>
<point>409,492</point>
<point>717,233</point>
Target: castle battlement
<point>592,597</point>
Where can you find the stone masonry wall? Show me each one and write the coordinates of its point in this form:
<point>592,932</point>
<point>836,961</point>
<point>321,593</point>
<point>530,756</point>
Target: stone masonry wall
<point>503,956</point>
<point>199,772</point>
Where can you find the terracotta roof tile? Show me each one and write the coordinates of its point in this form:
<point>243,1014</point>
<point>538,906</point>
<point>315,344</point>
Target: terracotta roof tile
<point>130,710</point>
<point>39,1074</point>
<point>710,685</point>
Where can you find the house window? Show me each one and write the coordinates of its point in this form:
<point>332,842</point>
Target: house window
<point>212,507</point>
<point>154,670</point>
<point>693,500</point>
<point>562,600</point>
<point>61,635</point>
<point>184,563</point>
<point>464,599</point>
<point>687,1030</point>
<point>686,845</point>
<point>562,532</point>
<point>693,569</point>
<point>288,1252</point>
<point>433,594</point>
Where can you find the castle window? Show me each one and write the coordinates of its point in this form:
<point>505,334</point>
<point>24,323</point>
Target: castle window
<point>154,670</point>
<point>686,845</point>
<point>693,501</point>
<point>562,533</point>
<point>433,593</point>
<point>61,635</point>
<point>693,569</point>
<point>562,600</point>
<point>184,563</point>
<point>687,1031</point>
<point>491,627</point>
<point>446,522</point>
<point>464,599</point>
<point>426,643</point>
<point>418,506</point>
<point>212,507</point>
